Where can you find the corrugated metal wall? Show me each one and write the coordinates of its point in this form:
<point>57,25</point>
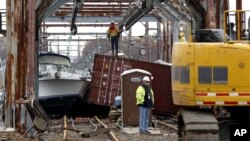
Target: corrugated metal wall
<point>105,83</point>
<point>106,80</point>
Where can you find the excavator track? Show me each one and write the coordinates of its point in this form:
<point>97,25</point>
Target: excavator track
<point>197,125</point>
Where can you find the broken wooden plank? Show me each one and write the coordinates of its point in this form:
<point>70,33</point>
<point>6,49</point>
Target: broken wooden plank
<point>110,132</point>
<point>95,133</point>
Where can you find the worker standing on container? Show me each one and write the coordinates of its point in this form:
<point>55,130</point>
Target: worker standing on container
<point>113,35</point>
<point>145,101</point>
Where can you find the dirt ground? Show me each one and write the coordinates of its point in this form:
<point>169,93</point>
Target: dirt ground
<point>72,136</point>
<point>159,133</point>
<point>13,136</point>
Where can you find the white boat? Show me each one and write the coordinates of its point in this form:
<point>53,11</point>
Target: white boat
<point>60,86</point>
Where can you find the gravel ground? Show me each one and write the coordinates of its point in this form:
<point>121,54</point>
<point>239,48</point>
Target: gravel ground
<point>73,136</point>
<point>13,136</point>
<point>56,133</point>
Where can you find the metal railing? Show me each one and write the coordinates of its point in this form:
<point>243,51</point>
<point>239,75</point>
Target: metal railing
<point>235,25</point>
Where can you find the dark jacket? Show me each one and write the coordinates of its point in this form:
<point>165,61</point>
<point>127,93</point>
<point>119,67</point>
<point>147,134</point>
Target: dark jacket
<point>144,96</point>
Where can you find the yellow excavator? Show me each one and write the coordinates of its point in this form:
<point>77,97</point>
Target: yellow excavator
<point>211,79</point>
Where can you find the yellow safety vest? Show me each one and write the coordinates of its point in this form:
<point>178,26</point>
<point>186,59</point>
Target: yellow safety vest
<point>182,39</point>
<point>113,32</point>
<point>140,93</point>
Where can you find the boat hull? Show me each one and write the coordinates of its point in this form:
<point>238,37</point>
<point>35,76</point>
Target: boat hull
<point>57,96</point>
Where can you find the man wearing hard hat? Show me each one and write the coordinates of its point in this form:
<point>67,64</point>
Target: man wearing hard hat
<point>145,101</point>
<point>113,35</point>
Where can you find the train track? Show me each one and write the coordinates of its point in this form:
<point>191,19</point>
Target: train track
<point>77,130</point>
<point>168,125</point>
<point>98,129</point>
<point>112,134</point>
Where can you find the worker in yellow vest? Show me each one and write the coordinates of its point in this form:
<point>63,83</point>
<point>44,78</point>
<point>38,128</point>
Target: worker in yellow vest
<point>113,35</point>
<point>145,101</point>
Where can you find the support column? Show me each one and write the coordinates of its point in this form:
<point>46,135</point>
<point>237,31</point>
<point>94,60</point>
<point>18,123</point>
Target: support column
<point>130,42</point>
<point>221,6</point>
<point>239,20</point>
<point>158,40</point>
<point>210,18</point>
<point>173,31</point>
<point>58,45</point>
<point>165,40</point>
<point>147,55</point>
<point>44,46</point>
<point>20,68</point>
<point>78,48</point>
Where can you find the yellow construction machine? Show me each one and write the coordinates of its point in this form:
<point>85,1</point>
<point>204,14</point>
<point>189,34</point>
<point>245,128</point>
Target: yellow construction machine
<point>211,78</point>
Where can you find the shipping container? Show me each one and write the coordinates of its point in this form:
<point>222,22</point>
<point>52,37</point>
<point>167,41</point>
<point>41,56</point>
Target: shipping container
<point>106,82</point>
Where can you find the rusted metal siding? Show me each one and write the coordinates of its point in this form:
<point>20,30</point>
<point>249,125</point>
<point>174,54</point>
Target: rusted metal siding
<point>20,61</point>
<point>106,81</point>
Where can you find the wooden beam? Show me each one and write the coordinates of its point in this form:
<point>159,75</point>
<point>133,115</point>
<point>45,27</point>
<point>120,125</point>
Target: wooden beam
<point>95,133</point>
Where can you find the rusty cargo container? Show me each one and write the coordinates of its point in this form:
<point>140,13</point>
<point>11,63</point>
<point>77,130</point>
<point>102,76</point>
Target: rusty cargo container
<point>106,81</point>
<point>105,84</point>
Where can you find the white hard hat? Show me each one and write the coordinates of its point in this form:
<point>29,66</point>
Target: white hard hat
<point>112,22</point>
<point>146,78</point>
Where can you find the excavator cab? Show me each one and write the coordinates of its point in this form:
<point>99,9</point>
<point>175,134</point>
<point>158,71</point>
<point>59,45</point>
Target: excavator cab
<point>237,24</point>
<point>210,77</point>
<point>214,69</point>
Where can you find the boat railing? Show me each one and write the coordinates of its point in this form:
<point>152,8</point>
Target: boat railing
<point>65,71</point>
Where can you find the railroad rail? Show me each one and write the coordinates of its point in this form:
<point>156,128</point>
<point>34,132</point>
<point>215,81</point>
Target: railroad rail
<point>113,136</point>
<point>168,125</point>
<point>98,128</point>
<point>86,128</point>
